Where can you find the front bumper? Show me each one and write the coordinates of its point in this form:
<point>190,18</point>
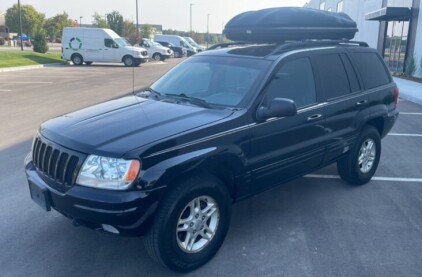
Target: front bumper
<point>128,212</point>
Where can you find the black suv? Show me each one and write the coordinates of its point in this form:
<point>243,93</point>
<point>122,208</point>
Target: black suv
<point>169,161</point>
<point>179,52</point>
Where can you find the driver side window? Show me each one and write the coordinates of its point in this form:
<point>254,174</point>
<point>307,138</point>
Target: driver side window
<point>294,80</point>
<point>109,43</point>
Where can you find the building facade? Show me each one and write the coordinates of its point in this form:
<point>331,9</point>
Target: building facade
<point>394,27</point>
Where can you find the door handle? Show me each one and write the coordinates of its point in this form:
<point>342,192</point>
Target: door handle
<point>361,103</point>
<point>314,117</point>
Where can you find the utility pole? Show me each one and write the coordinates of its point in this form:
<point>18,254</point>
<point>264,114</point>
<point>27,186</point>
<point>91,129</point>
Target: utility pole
<point>137,23</point>
<point>80,21</point>
<point>208,29</point>
<point>20,22</point>
<point>191,17</point>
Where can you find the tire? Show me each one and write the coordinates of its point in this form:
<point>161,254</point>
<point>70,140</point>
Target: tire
<point>359,166</point>
<point>77,59</point>
<point>172,248</point>
<point>88,63</point>
<point>129,61</point>
<point>177,54</point>
<point>157,57</point>
<point>137,63</point>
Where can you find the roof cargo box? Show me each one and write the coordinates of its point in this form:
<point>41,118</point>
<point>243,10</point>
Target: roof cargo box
<point>281,24</point>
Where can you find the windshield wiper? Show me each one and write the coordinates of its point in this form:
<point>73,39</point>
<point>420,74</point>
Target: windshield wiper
<point>156,94</point>
<point>196,101</point>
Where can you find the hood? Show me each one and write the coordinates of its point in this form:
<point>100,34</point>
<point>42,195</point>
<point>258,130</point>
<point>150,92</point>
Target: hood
<point>135,48</point>
<point>118,126</point>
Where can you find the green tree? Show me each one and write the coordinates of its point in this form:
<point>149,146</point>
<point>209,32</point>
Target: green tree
<point>54,25</point>
<point>40,40</point>
<point>146,31</point>
<point>129,32</point>
<point>115,22</point>
<point>99,21</point>
<point>30,18</point>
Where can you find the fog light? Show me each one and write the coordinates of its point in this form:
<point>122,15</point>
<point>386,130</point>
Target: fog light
<point>110,229</point>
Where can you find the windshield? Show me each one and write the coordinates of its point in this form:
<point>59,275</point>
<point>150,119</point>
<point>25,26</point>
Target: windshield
<point>216,80</point>
<point>121,42</point>
<point>191,41</point>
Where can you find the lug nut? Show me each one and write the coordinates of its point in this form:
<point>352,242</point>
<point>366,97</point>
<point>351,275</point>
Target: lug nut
<point>191,224</point>
<point>197,215</point>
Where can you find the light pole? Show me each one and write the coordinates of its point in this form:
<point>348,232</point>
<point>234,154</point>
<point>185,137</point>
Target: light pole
<point>20,22</point>
<point>191,4</point>
<point>208,29</point>
<point>80,21</point>
<point>137,23</point>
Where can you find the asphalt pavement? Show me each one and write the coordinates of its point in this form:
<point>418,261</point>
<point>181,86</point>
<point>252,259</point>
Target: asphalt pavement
<point>314,226</point>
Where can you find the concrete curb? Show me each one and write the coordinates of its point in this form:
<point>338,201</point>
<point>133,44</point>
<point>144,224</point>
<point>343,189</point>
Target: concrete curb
<point>18,68</point>
<point>409,90</point>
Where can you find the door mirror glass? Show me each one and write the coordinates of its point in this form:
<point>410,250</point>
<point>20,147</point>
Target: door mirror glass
<point>279,107</point>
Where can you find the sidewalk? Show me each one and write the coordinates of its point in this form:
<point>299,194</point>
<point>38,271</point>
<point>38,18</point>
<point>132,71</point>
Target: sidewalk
<point>409,90</point>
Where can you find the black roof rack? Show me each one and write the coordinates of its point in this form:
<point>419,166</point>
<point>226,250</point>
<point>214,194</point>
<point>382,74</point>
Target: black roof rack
<point>289,45</point>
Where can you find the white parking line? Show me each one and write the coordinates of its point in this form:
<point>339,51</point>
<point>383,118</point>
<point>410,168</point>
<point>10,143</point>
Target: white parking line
<point>410,113</point>
<point>26,82</point>
<point>5,90</point>
<point>405,135</point>
<point>390,179</point>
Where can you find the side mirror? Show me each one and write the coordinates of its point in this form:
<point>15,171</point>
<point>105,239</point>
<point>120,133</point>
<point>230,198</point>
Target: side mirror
<point>279,107</point>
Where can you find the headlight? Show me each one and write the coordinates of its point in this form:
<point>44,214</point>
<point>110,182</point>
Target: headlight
<point>108,173</point>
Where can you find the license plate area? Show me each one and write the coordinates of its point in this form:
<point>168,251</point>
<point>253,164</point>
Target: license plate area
<point>40,196</point>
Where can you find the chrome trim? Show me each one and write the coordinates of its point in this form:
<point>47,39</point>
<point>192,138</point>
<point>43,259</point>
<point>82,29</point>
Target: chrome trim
<point>200,140</point>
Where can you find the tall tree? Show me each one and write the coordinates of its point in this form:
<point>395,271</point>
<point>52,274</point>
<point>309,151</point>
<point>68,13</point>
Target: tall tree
<point>54,25</point>
<point>99,21</point>
<point>30,18</point>
<point>115,22</point>
<point>129,31</point>
<point>146,31</point>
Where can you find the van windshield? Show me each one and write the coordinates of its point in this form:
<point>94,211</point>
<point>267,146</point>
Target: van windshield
<point>221,81</point>
<point>121,42</point>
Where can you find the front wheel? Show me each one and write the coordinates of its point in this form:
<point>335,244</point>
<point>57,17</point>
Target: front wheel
<point>129,61</point>
<point>359,166</point>
<point>157,57</point>
<point>191,224</point>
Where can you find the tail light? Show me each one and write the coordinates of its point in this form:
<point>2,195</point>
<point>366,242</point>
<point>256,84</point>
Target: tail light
<point>396,97</point>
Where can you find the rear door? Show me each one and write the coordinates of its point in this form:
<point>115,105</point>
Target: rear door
<point>338,84</point>
<point>283,148</point>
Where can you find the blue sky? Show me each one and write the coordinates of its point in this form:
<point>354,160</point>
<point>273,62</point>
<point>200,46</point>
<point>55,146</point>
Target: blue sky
<point>172,14</point>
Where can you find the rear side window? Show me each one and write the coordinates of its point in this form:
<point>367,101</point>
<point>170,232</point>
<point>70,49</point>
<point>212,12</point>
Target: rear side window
<point>294,80</point>
<point>353,79</point>
<point>332,76</point>
<point>371,69</point>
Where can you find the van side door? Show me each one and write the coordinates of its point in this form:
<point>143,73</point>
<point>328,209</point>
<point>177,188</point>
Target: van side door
<point>284,148</point>
<point>111,52</point>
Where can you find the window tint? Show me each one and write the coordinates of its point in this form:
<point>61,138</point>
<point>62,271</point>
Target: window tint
<point>108,42</point>
<point>332,76</point>
<point>353,79</point>
<point>371,69</point>
<point>294,80</point>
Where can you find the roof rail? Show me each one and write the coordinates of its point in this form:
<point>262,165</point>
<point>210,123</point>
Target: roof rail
<point>283,46</point>
<point>225,45</point>
<point>305,43</point>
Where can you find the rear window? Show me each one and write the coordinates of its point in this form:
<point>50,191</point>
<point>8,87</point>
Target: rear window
<point>371,69</point>
<point>333,78</point>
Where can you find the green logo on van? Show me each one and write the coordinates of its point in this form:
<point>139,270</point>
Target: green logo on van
<point>75,43</point>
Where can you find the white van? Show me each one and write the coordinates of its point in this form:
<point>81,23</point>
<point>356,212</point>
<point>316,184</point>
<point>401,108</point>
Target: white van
<point>176,41</point>
<point>155,50</point>
<point>90,45</point>
<point>198,47</point>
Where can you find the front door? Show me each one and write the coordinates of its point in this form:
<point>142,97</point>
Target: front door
<point>287,147</point>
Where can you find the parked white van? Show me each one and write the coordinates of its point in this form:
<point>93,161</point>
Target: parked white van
<point>155,50</point>
<point>177,41</point>
<point>88,45</point>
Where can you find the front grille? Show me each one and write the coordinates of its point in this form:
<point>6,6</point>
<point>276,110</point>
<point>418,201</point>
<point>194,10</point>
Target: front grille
<point>144,53</point>
<point>58,166</point>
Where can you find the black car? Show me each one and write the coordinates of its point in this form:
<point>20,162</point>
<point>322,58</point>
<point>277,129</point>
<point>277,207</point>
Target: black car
<point>224,125</point>
<point>179,52</point>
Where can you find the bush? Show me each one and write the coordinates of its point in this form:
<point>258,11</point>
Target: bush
<point>410,66</point>
<point>2,41</point>
<point>40,41</point>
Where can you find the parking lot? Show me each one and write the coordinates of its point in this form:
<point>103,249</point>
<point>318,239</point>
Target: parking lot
<point>314,226</point>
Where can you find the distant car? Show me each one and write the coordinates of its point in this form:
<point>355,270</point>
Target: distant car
<point>198,47</point>
<point>179,52</point>
<point>178,41</point>
<point>156,50</point>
